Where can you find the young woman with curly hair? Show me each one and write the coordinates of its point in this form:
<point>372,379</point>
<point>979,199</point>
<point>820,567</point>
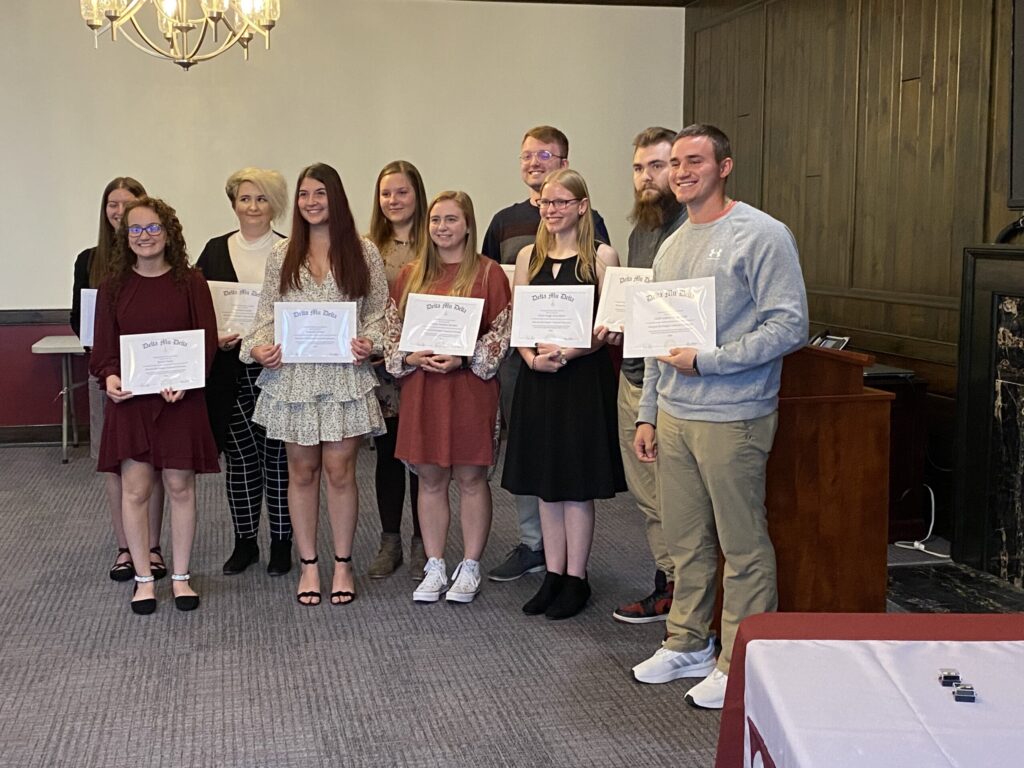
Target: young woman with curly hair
<point>152,289</point>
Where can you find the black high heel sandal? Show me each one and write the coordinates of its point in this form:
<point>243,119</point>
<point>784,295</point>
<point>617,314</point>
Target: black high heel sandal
<point>184,602</point>
<point>122,571</point>
<point>313,597</point>
<point>158,569</point>
<point>336,597</point>
<point>143,607</point>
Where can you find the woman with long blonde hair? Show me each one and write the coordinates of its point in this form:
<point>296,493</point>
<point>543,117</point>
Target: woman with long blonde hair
<point>563,432</point>
<point>449,404</point>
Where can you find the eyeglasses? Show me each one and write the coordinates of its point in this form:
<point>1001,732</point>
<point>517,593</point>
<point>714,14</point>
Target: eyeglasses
<point>557,205</point>
<point>152,230</point>
<point>542,155</point>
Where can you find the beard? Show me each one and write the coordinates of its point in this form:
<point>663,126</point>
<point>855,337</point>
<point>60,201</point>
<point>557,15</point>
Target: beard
<point>654,213</point>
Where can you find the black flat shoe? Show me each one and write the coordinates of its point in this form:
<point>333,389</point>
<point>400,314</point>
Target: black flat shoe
<point>184,602</point>
<point>312,598</point>
<point>280,558</point>
<point>571,600</point>
<point>546,595</point>
<point>157,568</point>
<point>339,597</point>
<point>143,607</point>
<point>122,571</point>
<point>246,553</point>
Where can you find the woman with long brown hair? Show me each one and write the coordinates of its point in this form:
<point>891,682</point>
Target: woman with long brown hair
<point>321,410</point>
<point>563,433</point>
<point>91,267</point>
<point>449,404</point>
<point>399,214</point>
<point>165,436</point>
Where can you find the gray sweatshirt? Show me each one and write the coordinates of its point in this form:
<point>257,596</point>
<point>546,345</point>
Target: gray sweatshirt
<point>761,307</point>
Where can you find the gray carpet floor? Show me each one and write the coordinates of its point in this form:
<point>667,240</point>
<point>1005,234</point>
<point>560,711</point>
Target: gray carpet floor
<point>254,679</point>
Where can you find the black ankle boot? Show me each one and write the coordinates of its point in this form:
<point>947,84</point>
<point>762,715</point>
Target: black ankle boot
<point>246,553</point>
<point>546,595</point>
<point>571,599</point>
<point>280,557</point>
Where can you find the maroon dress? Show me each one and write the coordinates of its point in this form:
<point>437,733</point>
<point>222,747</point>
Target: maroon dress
<point>146,428</point>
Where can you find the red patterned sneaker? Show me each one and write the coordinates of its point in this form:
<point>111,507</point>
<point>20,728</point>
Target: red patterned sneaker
<point>652,608</point>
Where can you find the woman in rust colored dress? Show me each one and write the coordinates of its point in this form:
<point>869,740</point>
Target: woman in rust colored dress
<point>165,436</point>
<point>449,405</point>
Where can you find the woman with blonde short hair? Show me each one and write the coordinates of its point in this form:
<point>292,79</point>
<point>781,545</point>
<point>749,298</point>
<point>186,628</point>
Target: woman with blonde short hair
<point>257,468</point>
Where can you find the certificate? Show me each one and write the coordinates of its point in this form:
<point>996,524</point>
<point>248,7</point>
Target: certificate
<point>235,306</point>
<point>611,309</point>
<point>552,314</point>
<point>87,317</point>
<point>315,331</point>
<point>151,362</point>
<point>663,316</point>
<point>510,273</point>
<point>445,325</point>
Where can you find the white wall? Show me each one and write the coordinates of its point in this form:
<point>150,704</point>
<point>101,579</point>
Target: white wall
<point>450,86</point>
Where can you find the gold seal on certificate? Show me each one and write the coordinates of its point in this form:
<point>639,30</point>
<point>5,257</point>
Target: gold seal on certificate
<point>664,316</point>
<point>88,317</point>
<point>315,331</point>
<point>234,305</point>
<point>151,362</point>
<point>561,315</point>
<point>445,325</point>
<point>611,309</point>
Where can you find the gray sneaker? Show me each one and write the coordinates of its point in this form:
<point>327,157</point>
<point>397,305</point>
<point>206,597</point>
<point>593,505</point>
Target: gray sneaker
<point>520,561</point>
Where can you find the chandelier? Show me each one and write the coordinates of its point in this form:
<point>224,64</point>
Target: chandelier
<point>184,33</point>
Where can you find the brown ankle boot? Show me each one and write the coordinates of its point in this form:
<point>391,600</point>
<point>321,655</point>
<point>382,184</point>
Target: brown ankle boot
<point>388,558</point>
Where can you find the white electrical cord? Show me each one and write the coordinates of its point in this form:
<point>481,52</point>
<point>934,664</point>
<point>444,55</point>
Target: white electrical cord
<point>919,545</point>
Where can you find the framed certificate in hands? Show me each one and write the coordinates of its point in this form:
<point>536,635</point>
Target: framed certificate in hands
<point>151,362</point>
<point>561,315</point>
<point>664,316</point>
<point>315,332</point>
<point>445,325</point>
<point>611,309</point>
<point>234,305</point>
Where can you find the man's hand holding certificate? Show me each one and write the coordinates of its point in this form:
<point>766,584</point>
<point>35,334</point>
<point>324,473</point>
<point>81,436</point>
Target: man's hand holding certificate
<point>611,309</point>
<point>443,325</point>
<point>670,315</point>
<point>560,315</point>
<point>154,362</point>
<point>315,332</point>
<point>235,306</point>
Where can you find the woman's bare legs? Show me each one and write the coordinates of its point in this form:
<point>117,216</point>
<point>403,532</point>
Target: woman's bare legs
<point>339,460</point>
<point>304,463</point>
<point>433,507</point>
<point>137,482</point>
<point>181,489</point>
<point>474,509</point>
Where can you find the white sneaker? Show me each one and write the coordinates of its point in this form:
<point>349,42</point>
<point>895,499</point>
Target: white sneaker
<point>465,582</point>
<point>709,693</point>
<point>665,665</point>
<point>435,581</point>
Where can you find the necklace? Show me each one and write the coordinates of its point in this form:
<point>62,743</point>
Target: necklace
<point>401,242</point>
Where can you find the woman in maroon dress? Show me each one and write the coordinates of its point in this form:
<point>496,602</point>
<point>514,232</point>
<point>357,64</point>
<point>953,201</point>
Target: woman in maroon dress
<point>152,289</point>
<point>449,405</point>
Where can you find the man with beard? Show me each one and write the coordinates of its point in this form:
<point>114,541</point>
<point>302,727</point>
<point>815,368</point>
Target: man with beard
<point>544,149</point>
<point>656,215</point>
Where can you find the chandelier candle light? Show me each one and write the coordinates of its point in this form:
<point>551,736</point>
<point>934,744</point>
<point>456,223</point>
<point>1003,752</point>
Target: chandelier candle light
<point>188,37</point>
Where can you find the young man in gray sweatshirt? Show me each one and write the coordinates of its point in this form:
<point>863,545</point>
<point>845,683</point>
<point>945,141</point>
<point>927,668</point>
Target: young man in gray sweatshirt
<point>709,419</point>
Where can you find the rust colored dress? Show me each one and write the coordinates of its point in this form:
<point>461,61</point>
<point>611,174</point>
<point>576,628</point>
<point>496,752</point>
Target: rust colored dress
<point>146,428</point>
<point>449,419</point>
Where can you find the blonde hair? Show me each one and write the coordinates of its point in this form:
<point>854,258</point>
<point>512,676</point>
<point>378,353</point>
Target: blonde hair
<point>270,183</point>
<point>428,267</point>
<point>586,269</point>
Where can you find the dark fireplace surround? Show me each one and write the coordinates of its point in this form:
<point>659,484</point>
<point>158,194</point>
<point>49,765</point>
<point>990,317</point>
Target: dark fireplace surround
<point>989,500</point>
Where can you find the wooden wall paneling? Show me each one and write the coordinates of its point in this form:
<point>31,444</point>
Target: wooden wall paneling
<point>997,214</point>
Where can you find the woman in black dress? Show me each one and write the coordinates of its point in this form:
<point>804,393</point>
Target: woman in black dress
<point>563,434</point>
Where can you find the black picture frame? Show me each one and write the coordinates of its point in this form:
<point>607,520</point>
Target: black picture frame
<point>1016,196</point>
<point>990,271</point>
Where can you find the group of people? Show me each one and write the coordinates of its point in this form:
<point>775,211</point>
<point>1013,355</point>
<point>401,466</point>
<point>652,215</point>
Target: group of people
<point>690,432</point>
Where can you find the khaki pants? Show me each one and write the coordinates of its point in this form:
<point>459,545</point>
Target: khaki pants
<point>642,478</point>
<point>711,478</point>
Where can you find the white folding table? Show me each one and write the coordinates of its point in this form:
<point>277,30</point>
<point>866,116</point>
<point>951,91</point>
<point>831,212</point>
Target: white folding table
<point>67,347</point>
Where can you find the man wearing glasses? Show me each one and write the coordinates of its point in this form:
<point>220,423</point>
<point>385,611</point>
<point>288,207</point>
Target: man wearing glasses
<point>544,149</point>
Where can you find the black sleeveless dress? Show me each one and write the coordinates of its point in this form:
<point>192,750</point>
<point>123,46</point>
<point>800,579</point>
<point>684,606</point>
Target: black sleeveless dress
<point>563,442</point>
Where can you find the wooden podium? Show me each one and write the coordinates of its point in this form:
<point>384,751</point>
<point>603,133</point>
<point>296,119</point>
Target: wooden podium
<point>828,484</point>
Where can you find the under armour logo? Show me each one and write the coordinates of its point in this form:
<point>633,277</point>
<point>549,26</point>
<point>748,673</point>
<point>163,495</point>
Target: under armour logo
<point>715,254</point>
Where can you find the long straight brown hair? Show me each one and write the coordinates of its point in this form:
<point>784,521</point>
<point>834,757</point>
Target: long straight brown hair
<point>382,230</point>
<point>101,258</point>
<point>348,266</point>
